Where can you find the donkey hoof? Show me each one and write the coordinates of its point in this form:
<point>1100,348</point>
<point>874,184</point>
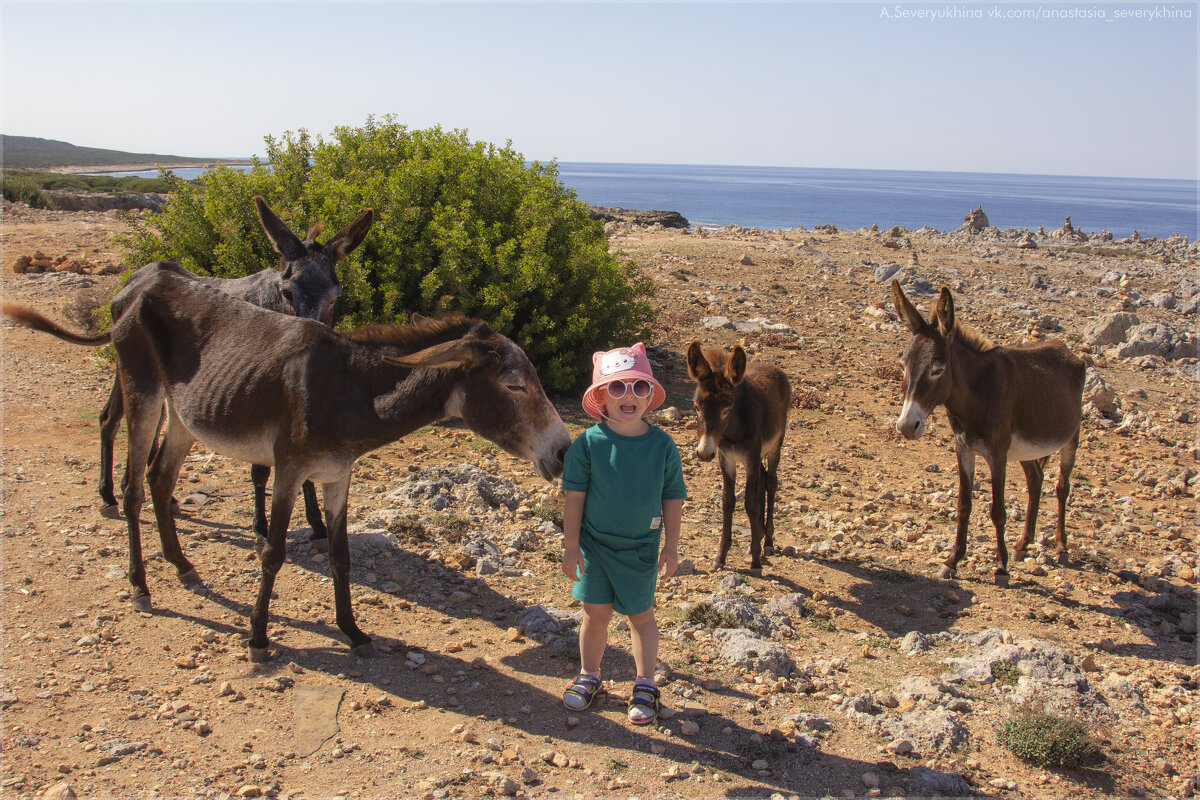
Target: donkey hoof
<point>946,573</point>
<point>1001,578</point>
<point>258,654</point>
<point>365,650</point>
<point>1019,555</point>
<point>755,572</point>
<point>141,602</point>
<point>321,545</point>
<point>769,550</point>
<point>1062,558</point>
<point>191,579</point>
<point>110,511</point>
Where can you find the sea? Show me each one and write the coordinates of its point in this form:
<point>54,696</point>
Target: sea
<point>791,197</point>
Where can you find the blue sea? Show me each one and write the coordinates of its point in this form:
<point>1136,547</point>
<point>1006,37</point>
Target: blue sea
<point>789,197</point>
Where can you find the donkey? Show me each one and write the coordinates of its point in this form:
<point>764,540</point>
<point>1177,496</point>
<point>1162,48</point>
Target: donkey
<point>305,285</point>
<point>292,393</point>
<point>741,414</point>
<point>1004,403</point>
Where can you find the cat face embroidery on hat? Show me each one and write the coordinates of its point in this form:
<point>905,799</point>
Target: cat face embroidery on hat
<point>617,360</point>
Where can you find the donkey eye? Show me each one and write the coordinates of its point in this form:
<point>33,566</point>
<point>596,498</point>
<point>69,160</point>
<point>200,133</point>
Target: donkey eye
<point>725,412</point>
<point>515,387</point>
<point>936,371</point>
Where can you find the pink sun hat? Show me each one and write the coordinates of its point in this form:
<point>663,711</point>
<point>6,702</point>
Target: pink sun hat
<point>621,364</point>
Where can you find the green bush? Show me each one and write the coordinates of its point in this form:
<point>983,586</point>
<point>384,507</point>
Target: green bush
<point>459,225</point>
<point>1046,739</point>
<point>83,183</point>
<point>22,187</point>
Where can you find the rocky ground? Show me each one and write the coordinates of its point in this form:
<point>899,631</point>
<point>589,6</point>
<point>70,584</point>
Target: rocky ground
<point>847,669</point>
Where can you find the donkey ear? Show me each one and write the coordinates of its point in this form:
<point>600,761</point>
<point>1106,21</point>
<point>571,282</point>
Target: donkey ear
<point>312,234</point>
<point>905,310</point>
<point>418,318</point>
<point>351,236</point>
<point>735,370</point>
<point>440,356</point>
<point>698,366</point>
<point>945,313</point>
<point>282,238</point>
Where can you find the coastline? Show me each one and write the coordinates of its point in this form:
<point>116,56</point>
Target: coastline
<point>77,169</point>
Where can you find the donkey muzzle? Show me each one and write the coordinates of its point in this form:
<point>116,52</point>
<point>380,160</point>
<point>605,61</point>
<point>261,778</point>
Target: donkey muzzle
<point>911,423</point>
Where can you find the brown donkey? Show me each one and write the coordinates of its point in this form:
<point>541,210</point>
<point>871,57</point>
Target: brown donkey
<point>1004,403</point>
<point>305,285</point>
<point>291,393</point>
<point>741,417</point>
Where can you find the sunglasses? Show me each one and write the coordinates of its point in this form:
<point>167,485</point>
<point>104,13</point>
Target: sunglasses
<point>618,389</point>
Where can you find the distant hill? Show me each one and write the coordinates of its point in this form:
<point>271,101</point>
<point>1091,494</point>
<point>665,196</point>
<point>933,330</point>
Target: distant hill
<point>28,152</point>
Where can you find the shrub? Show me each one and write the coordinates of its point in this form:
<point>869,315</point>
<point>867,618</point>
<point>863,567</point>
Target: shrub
<point>459,225</point>
<point>1047,739</point>
<point>22,187</point>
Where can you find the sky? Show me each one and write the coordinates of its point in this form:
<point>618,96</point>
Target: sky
<point>1081,88</point>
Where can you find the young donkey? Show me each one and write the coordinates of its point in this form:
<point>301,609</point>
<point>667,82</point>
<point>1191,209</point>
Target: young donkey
<point>305,285</point>
<point>1004,403</point>
<point>741,414</point>
<point>289,392</point>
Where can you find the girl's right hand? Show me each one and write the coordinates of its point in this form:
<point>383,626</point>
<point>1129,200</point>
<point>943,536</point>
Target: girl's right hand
<point>572,560</point>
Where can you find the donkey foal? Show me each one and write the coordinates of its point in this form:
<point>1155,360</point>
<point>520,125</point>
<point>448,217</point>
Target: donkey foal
<point>741,416</point>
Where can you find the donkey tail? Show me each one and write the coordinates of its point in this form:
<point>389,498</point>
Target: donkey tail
<point>31,319</point>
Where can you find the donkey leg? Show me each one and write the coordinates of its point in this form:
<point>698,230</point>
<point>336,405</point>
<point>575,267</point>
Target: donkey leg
<point>336,497</point>
<point>164,472</point>
<point>319,539</point>
<point>1035,473</point>
<point>274,553</point>
<point>142,429</point>
<point>259,473</point>
<point>755,494</point>
<point>1063,491</point>
<point>728,498</point>
<point>966,482</point>
<point>998,465</point>
<point>772,479</point>
<point>110,423</point>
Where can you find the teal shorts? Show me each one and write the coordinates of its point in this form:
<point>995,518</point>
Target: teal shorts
<point>619,572</point>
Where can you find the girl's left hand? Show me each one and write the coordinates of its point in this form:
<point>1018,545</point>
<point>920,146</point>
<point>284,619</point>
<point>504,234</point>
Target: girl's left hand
<point>668,562</point>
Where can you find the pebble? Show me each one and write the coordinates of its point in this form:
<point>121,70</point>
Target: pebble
<point>689,728</point>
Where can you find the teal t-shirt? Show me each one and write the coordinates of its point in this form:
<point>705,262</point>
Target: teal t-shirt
<point>626,478</point>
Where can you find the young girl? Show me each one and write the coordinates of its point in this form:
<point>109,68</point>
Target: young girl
<point>624,488</point>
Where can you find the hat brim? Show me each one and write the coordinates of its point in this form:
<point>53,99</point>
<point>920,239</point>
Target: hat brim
<point>595,407</point>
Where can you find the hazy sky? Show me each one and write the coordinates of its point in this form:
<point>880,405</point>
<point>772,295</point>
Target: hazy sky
<point>879,85</point>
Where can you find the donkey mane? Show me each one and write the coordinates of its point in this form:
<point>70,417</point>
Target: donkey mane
<point>972,338</point>
<point>453,324</point>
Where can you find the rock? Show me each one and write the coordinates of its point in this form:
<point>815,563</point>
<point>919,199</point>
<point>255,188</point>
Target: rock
<point>668,219</point>
<point>1152,339</point>
<point>1110,329</point>
<point>21,265</point>
<point>914,642</point>
<point>714,323</point>
<point>975,221</point>
<point>59,791</point>
<point>884,272</point>
<point>740,648</point>
<point>76,200</point>
<point>925,782</point>
<point>1163,300</point>
<point>689,728</point>
<point>1099,393</point>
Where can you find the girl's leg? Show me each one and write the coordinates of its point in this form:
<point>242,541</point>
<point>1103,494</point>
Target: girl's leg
<point>593,635</point>
<point>643,630</point>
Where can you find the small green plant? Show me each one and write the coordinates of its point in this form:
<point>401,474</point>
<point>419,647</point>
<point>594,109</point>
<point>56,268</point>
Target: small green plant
<point>453,527</point>
<point>1006,673</point>
<point>710,616</point>
<point>1047,739</point>
<point>616,765</point>
<point>549,514</point>
<point>23,187</point>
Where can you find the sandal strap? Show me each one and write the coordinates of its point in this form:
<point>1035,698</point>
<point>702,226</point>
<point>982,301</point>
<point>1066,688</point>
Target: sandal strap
<point>650,693</point>
<point>584,686</point>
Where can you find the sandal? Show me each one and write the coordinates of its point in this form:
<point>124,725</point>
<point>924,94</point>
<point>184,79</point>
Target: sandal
<point>580,694</point>
<point>644,704</point>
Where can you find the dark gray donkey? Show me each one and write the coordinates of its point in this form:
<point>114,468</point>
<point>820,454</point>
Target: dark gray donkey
<point>288,392</point>
<point>305,285</point>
